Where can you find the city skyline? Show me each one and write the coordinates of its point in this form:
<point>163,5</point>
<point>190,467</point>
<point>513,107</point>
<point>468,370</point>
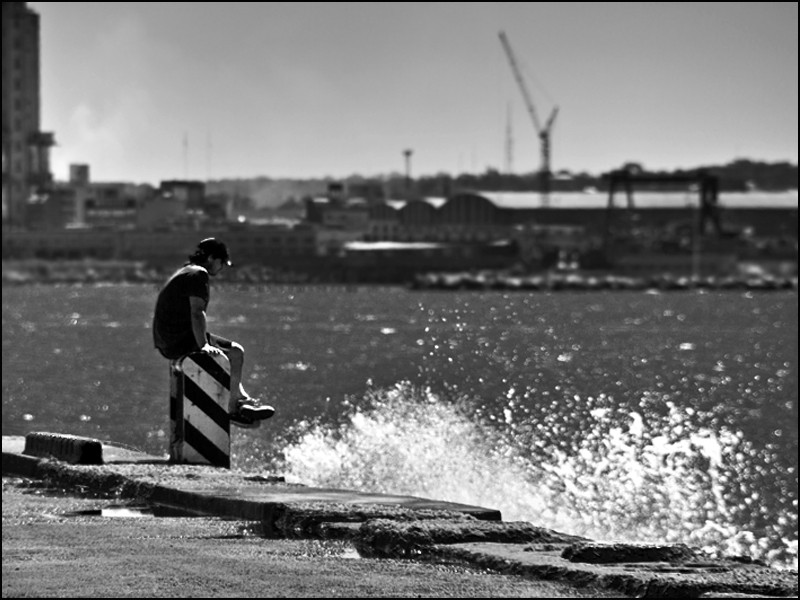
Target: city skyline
<point>150,91</point>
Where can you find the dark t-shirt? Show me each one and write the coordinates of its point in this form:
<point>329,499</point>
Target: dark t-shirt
<point>172,322</point>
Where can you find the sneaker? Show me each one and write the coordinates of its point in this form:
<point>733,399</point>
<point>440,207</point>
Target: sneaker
<point>251,408</point>
<point>240,420</point>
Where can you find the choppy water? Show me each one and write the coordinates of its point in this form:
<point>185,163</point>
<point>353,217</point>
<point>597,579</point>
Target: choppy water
<point>616,415</point>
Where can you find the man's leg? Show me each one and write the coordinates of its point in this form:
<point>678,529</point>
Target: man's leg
<point>235,353</point>
<point>253,410</point>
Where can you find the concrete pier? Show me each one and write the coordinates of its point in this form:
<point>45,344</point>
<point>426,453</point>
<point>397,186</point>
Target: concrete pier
<point>395,526</point>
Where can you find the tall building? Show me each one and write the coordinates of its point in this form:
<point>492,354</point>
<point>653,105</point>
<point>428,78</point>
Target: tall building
<point>26,149</point>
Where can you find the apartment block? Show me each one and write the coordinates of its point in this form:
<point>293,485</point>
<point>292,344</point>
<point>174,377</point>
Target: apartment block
<point>26,149</point>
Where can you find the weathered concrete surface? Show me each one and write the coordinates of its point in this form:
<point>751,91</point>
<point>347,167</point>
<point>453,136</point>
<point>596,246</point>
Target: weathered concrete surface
<point>59,544</point>
<point>680,579</point>
<point>400,526</point>
<point>385,537</point>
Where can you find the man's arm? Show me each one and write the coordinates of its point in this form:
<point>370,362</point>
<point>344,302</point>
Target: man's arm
<point>199,325</point>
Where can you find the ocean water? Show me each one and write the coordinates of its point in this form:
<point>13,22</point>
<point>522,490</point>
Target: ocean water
<point>637,416</point>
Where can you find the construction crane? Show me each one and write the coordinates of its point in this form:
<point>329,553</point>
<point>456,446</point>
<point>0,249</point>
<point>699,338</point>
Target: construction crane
<point>543,132</point>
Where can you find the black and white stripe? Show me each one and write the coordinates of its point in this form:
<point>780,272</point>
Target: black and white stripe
<point>199,394</point>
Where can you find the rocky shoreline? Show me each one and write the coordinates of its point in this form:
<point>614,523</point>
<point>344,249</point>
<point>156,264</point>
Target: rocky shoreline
<point>588,281</point>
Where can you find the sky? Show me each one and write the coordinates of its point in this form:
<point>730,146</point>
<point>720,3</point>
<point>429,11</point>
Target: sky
<point>147,91</point>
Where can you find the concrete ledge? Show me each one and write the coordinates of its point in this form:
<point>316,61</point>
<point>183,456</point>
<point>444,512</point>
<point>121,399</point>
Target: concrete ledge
<point>19,464</point>
<point>384,537</point>
<point>594,553</point>
<point>69,448</point>
<point>210,503</point>
<point>712,578</point>
<point>331,520</point>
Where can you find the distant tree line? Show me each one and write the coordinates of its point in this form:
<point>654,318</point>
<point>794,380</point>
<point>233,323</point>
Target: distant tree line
<point>264,192</point>
<point>739,175</point>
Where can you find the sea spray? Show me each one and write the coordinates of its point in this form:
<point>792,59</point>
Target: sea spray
<point>406,441</point>
<point>598,472</point>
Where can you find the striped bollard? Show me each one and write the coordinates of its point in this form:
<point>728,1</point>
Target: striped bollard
<point>200,426</point>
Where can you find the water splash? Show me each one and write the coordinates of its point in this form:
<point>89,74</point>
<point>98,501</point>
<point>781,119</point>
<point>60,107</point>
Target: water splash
<point>599,473</point>
<point>407,441</point>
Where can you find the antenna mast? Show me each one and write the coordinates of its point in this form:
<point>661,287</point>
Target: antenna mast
<point>185,155</point>
<point>509,142</point>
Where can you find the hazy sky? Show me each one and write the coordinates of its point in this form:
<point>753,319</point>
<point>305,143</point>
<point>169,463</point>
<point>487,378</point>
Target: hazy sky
<point>145,91</point>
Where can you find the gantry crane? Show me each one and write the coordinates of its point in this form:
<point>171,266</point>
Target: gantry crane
<point>543,132</point>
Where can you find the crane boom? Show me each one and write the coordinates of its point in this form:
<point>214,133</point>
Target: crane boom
<point>544,132</point>
<point>520,81</point>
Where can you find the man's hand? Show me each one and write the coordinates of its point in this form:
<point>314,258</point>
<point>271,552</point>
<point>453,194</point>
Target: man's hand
<point>212,349</point>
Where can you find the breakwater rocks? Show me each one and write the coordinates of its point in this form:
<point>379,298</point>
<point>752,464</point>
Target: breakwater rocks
<point>78,271</point>
<point>380,525</point>
<point>99,272</point>
<point>556,281</point>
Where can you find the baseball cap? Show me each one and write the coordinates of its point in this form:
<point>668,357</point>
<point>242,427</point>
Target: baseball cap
<point>216,249</point>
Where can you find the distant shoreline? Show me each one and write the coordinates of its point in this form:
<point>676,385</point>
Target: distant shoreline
<point>38,271</point>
